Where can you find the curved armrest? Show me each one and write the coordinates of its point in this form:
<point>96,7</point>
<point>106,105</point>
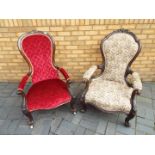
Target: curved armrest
<point>135,80</point>
<point>64,73</point>
<point>23,83</point>
<point>88,74</point>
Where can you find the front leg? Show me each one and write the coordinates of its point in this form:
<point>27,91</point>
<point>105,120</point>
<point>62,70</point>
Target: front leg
<point>29,116</point>
<point>133,110</point>
<point>130,116</point>
<point>26,112</point>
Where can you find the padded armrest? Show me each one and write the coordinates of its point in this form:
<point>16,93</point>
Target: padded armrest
<point>88,74</point>
<point>64,73</point>
<point>23,82</point>
<point>135,80</point>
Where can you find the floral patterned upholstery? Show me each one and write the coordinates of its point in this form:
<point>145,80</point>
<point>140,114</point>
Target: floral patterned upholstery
<point>135,80</point>
<point>110,91</point>
<point>87,75</point>
<point>118,50</point>
<point>109,95</point>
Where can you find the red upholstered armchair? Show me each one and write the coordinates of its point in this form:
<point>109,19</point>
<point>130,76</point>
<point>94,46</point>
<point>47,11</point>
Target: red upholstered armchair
<point>48,91</point>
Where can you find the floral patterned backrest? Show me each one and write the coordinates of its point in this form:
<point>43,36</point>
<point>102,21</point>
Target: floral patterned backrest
<point>119,49</point>
<point>38,49</point>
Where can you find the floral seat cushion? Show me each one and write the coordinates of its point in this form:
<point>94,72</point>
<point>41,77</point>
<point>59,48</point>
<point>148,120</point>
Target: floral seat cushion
<point>109,95</point>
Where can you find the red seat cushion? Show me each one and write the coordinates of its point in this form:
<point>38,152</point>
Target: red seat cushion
<point>47,94</point>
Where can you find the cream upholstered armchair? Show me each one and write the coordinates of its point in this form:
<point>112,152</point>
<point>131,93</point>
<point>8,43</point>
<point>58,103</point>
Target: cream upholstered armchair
<point>114,90</point>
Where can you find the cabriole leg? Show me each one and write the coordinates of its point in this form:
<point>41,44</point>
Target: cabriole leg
<point>130,116</point>
<point>30,118</point>
<point>27,114</point>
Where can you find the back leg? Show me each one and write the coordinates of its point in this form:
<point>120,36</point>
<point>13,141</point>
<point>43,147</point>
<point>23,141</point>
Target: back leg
<point>83,106</point>
<point>73,107</point>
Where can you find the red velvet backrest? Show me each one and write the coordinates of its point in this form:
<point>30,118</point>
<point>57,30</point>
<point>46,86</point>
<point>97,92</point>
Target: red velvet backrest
<point>38,49</point>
